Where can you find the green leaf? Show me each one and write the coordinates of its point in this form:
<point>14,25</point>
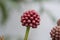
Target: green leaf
<point>4,12</point>
<point>17,0</point>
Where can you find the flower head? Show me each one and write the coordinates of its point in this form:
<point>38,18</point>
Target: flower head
<point>30,18</point>
<point>55,33</point>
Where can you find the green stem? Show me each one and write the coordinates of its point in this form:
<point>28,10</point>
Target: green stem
<point>27,33</point>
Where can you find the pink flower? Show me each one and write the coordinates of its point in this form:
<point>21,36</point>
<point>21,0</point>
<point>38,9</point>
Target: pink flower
<point>55,33</point>
<point>30,18</point>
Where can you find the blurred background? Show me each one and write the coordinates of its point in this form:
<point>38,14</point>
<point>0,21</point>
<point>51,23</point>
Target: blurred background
<point>10,16</point>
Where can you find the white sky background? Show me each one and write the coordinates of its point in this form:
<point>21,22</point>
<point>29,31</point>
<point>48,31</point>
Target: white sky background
<point>14,27</point>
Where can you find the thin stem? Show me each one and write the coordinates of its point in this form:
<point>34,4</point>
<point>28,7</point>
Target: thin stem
<point>27,33</point>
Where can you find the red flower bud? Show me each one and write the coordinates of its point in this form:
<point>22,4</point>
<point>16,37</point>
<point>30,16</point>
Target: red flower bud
<point>30,18</point>
<point>55,33</point>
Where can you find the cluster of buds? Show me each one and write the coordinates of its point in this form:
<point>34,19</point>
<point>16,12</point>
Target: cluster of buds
<point>30,18</point>
<point>55,32</point>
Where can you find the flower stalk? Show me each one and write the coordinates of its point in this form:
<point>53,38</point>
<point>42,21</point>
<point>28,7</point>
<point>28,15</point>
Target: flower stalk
<point>27,33</point>
<point>30,19</point>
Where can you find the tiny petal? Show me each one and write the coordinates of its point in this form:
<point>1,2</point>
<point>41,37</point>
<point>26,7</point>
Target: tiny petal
<point>31,17</point>
<point>36,19</point>
<point>34,15</point>
<point>34,26</point>
<point>24,21</point>
<point>30,24</point>
<point>26,24</point>
<point>31,13</point>
<point>28,21</point>
<point>33,21</point>
<point>37,23</point>
<point>26,17</point>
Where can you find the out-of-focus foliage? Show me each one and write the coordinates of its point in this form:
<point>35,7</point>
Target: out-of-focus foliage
<point>5,11</point>
<point>17,0</point>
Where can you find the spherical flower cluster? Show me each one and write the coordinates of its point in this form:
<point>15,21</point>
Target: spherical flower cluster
<point>30,18</point>
<point>55,33</point>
